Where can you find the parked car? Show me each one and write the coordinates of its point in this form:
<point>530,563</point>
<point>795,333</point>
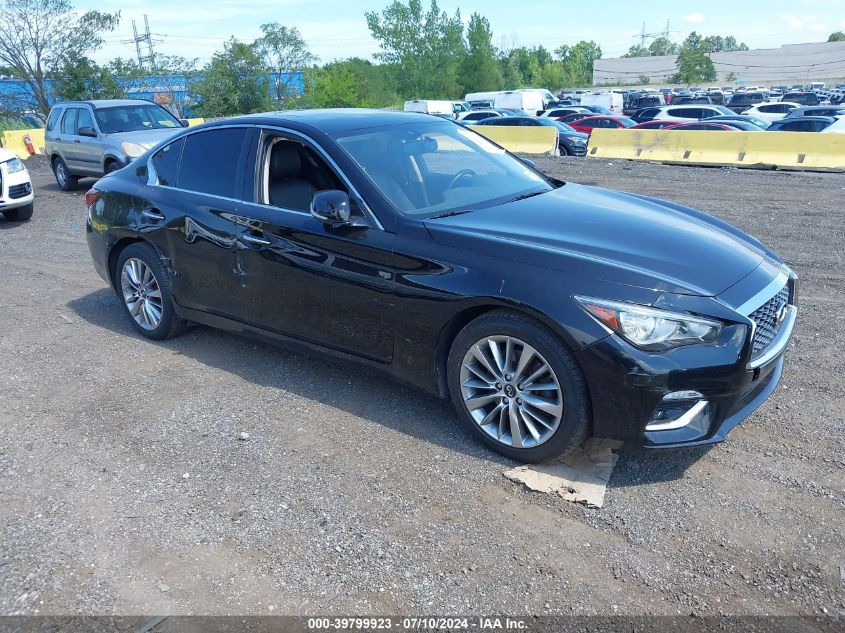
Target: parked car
<point>608,122</point>
<point>430,106</point>
<point>554,113</point>
<point>743,126</point>
<point>16,194</point>
<point>653,125</point>
<point>528,102</point>
<point>831,110</point>
<point>596,109</point>
<point>546,311</point>
<point>837,127</point>
<point>646,114</point>
<point>569,119</point>
<point>570,141</point>
<point>771,111</point>
<point>643,102</point>
<point>802,124</point>
<point>704,126</point>
<point>727,118</point>
<point>93,138</point>
<point>473,116</point>
<point>694,99</point>
<point>741,101</point>
<point>687,113</point>
<point>802,98</point>
<point>604,102</point>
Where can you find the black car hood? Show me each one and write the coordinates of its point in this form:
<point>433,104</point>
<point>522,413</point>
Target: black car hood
<point>609,235</point>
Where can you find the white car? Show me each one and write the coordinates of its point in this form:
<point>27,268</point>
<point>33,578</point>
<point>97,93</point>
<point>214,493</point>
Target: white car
<point>772,110</point>
<point>474,116</point>
<point>16,195</point>
<point>837,127</point>
<point>563,111</point>
<point>687,112</point>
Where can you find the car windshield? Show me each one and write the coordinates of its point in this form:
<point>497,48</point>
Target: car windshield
<point>134,118</point>
<point>435,168</point>
<point>564,127</point>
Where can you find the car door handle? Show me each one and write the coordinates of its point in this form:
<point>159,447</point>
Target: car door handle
<point>254,239</point>
<point>77,141</point>
<point>152,214</point>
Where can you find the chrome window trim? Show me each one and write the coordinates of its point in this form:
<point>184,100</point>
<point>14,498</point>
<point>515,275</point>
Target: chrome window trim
<point>764,295</point>
<point>331,162</point>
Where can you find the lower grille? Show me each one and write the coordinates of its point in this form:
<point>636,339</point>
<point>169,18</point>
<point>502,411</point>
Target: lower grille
<point>19,191</point>
<point>768,318</point>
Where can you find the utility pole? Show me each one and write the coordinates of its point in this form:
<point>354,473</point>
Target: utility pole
<point>145,39</point>
<point>642,41</point>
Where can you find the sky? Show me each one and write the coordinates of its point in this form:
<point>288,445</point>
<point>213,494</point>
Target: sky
<point>336,29</point>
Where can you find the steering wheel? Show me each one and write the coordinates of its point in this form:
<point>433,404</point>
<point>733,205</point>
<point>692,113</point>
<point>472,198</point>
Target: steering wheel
<point>464,173</point>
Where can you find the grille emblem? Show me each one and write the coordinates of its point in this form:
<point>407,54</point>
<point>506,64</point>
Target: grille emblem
<point>781,315</point>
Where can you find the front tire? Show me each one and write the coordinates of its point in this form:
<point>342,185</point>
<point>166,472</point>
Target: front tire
<point>145,289</point>
<point>21,214</point>
<point>65,180</point>
<point>517,387</point>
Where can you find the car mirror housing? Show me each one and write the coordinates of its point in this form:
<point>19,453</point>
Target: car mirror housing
<point>333,207</point>
<point>185,122</point>
<point>87,131</point>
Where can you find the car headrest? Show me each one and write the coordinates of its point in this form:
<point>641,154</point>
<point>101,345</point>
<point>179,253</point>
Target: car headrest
<point>285,161</point>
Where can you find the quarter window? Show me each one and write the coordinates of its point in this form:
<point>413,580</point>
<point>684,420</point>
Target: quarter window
<point>211,161</point>
<point>55,113</point>
<point>166,163</point>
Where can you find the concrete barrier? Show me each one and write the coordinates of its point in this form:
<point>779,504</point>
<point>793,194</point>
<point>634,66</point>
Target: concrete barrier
<point>15,141</point>
<point>767,150</point>
<point>523,140</point>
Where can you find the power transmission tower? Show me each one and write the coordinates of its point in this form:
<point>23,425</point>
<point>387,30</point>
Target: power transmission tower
<point>147,40</point>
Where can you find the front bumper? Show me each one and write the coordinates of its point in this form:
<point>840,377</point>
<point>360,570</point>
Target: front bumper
<point>629,386</point>
<point>15,189</point>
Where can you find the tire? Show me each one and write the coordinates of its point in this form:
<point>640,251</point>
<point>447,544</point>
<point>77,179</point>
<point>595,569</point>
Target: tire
<point>563,151</point>
<point>21,214</point>
<point>141,257</point>
<point>65,180</point>
<point>112,167</point>
<point>562,373</point>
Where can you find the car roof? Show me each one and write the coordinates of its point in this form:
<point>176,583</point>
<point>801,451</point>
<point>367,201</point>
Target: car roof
<point>332,120</point>
<point>107,103</point>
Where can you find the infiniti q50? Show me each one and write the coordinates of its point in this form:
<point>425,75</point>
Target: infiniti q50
<point>546,311</point>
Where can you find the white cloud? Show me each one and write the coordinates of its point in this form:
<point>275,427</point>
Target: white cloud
<point>694,18</point>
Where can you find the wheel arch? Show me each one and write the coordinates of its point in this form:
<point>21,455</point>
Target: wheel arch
<point>114,255</point>
<point>462,318</point>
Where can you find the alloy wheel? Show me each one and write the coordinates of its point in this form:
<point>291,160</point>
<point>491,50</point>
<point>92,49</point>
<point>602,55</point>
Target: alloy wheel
<point>141,293</point>
<point>61,174</point>
<point>511,391</point>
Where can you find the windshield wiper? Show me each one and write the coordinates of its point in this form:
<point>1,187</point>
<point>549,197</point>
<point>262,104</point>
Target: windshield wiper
<point>449,214</point>
<point>524,196</point>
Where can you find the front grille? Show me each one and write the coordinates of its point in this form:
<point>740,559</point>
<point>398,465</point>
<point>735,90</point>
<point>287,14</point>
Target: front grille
<point>19,191</point>
<point>766,318</point>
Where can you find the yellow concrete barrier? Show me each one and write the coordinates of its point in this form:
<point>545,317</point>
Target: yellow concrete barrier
<point>15,141</point>
<point>782,150</point>
<point>523,140</point>
<point>193,122</point>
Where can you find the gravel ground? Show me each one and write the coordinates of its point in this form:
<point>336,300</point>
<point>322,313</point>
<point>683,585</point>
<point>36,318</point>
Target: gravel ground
<point>125,486</point>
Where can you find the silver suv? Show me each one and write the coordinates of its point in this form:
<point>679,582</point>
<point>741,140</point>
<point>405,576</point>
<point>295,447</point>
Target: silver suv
<point>93,138</point>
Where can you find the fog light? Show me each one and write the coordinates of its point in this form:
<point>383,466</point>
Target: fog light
<point>679,409</point>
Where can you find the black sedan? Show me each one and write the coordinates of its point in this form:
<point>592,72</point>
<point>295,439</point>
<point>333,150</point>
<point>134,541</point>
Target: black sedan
<point>570,141</point>
<point>545,310</point>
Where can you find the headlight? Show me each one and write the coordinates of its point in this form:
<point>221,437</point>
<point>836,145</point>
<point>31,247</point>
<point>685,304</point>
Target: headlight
<point>133,150</point>
<point>650,328</point>
<point>15,165</point>
<point>575,139</point>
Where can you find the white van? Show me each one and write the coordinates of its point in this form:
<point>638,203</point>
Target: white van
<point>548,97</point>
<point>439,108</point>
<point>613,101</point>
<point>481,99</point>
<point>529,102</point>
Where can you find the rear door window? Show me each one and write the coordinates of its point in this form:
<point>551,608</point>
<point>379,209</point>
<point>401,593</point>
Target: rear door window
<point>211,161</point>
<point>166,163</point>
<point>69,121</point>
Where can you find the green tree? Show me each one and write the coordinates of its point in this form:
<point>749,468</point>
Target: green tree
<point>838,36</point>
<point>694,63</point>
<point>638,50</point>
<point>479,70</point>
<point>82,79</point>
<point>234,82</point>
<point>285,53</point>
<point>423,50</point>
<point>173,76</point>
<point>578,61</point>
<point>350,83</point>
<point>39,37</point>
<point>511,77</point>
<point>662,46</point>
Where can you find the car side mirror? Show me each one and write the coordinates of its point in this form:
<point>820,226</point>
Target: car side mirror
<point>184,122</point>
<point>529,162</point>
<point>87,131</point>
<point>332,207</point>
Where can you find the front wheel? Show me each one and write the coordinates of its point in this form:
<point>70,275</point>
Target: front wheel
<point>144,286</point>
<point>65,180</point>
<point>518,388</point>
<point>21,214</point>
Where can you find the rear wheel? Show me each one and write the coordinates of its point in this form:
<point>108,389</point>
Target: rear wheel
<point>65,180</point>
<point>144,286</point>
<point>518,388</point>
<point>20,214</point>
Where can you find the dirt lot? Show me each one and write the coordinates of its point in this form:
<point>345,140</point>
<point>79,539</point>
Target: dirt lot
<point>124,487</point>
